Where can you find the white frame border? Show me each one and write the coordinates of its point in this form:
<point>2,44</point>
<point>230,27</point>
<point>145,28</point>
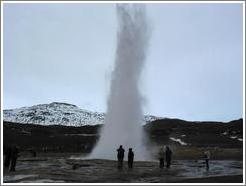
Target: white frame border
<point>114,2</point>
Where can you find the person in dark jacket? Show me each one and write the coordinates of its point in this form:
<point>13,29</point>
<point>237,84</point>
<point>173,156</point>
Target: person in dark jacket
<point>33,152</point>
<point>168,156</point>
<point>161,157</point>
<point>7,154</point>
<point>120,156</point>
<point>207,157</point>
<point>13,158</point>
<point>130,158</point>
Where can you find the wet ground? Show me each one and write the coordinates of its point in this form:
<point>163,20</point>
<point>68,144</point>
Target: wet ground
<point>67,169</point>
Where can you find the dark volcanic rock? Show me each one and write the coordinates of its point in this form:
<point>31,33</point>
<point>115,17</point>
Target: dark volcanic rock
<point>82,139</point>
<point>217,134</point>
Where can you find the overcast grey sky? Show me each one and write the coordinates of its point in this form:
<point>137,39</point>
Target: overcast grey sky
<point>65,53</point>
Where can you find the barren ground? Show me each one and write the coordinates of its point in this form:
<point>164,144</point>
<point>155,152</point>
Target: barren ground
<point>72,168</point>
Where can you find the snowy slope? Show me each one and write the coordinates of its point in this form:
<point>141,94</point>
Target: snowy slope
<point>58,114</point>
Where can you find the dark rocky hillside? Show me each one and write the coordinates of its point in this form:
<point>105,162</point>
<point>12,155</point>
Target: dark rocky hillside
<point>56,138</point>
<point>215,134</point>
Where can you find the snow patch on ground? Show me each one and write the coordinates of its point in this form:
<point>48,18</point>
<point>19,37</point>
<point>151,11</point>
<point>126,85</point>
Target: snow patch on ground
<point>80,134</point>
<point>224,133</point>
<point>178,140</point>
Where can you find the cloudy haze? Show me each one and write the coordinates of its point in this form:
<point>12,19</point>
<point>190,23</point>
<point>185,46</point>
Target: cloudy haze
<point>65,53</point>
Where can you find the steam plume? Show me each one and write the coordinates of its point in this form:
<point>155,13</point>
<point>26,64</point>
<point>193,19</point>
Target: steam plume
<point>124,111</point>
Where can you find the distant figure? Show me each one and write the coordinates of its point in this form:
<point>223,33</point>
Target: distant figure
<point>33,152</point>
<point>130,158</point>
<point>120,156</point>
<point>168,156</point>
<point>75,166</point>
<point>45,149</point>
<point>207,157</point>
<point>7,154</point>
<point>161,157</point>
<point>13,157</point>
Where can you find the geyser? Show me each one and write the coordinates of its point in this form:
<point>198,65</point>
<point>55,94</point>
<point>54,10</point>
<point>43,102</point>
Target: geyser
<point>124,110</point>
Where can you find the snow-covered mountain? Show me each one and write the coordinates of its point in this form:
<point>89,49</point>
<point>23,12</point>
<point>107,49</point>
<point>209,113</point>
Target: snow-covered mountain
<point>58,114</point>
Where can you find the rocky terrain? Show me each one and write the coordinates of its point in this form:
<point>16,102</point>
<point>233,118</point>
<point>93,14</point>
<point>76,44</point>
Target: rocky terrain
<point>173,132</point>
<point>60,168</point>
<point>63,148</point>
<point>65,127</point>
<point>185,133</point>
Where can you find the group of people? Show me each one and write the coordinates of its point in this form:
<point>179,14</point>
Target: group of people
<point>162,155</point>
<point>11,155</point>
<point>165,154</point>
<point>120,156</point>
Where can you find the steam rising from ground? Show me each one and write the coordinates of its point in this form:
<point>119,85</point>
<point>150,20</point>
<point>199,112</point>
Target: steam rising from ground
<point>124,111</point>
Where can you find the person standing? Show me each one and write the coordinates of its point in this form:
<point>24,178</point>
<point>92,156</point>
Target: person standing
<point>13,157</point>
<point>168,156</point>
<point>207,157</point>
<point>161,157</point>
<point>120,156</point>
<point>7,154</point>
<point>130,158</point>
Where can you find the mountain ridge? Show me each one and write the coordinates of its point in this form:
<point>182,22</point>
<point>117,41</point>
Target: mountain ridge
<point>59,113</point>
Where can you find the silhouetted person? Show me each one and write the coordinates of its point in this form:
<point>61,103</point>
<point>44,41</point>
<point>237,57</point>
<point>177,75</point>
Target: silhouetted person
<point>207,157</point>
<point>13,158</point>
<point>7,154</point>
<point>130,158</point>
<point>34,153</point>
<point>45,149</point>
<point>168,156</point>
<point>120,156</point>
<point>161,157</point>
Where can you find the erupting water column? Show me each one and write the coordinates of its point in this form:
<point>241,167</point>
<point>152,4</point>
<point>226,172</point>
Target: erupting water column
<point>124,111</point>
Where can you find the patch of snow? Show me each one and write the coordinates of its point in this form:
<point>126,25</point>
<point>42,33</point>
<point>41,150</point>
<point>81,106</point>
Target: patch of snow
<point>178,140</point>
<point>224,133</point>
<point>80,134</point>
<point>25,132</point>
